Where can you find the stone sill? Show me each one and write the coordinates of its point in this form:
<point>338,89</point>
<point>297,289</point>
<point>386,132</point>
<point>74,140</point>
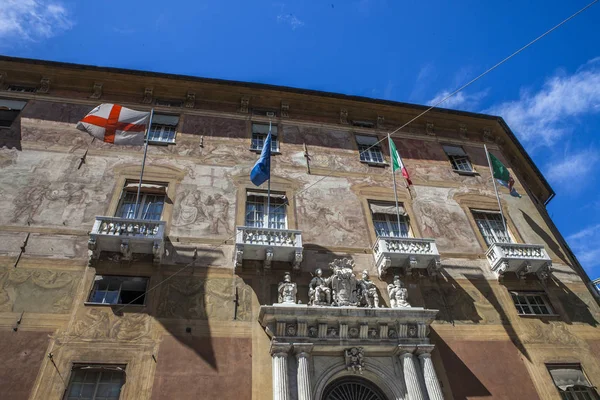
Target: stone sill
<point>375,164</point>
<point>553,316</point>
<point>91,303</point>
<point>467,173</point>
<point>258,151</point>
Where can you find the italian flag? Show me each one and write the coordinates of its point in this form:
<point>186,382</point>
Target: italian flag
<point>397,161</point>
<point>502,175</point>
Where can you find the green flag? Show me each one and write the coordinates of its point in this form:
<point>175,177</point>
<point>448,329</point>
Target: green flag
<point>500,171</point>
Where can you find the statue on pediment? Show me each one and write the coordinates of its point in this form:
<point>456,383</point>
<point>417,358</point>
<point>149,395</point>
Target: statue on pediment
<point>368,291</point>
<point>344,284</point>
<point>398,294</point>
<point>319,292</point>
<point>287,290</point>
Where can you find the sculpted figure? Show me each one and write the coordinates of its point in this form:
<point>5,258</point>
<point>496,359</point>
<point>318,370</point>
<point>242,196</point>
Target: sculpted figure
<point>319,292</point>
<point>369,291</point>
<point>287,290</point>
<point>355,359</point>
<point>344,285</point>
<point>398,294</point>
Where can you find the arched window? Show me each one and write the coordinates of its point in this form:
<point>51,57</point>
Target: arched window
<point>352,388</point>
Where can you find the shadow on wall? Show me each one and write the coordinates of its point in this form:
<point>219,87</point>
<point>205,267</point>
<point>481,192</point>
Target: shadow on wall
<point>484,287</point>
<point>454,303</point>
<point>11,138</point>
<point>576,309</point>
<point>463,383</point>
<point>545,237</point>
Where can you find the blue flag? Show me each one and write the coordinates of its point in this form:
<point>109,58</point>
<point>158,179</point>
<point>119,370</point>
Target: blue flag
<point>261,171</point>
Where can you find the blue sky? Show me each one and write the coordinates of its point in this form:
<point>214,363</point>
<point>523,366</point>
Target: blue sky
<point>411,51</point>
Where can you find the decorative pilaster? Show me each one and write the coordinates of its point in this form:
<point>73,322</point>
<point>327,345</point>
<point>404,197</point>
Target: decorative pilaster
<point>302,352</point>
<point>279,355</point>
<point>431,381</point>
<point>411,377</point>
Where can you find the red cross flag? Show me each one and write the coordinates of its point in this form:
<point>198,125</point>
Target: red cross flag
<point>113,123</point>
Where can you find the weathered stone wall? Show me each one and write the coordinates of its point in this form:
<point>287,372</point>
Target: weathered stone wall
<point>46,194</point>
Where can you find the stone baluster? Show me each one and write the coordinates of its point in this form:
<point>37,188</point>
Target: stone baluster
<point>303,355</point>
<point>411,377</point>
<point>279,356</point>
<point>431,381</point>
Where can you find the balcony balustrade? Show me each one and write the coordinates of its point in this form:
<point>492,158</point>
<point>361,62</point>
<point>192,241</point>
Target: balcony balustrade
<point>268,245</point>
<point>127,236</point>
<point>408,253</point>
<point>520,258</point>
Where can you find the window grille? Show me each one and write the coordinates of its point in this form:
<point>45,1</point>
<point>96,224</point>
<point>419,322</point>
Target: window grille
<point>95,382</point>
<point>491,227</point>
<point>259,135</point>
<point>163,129</point>
<point>571,382</point>
<point>369,149</point>
<point>151,203</point>
<point>458,158</point>
<point>385,220</point>
<point>119,290</point>
<point>256,210</point>
<point>532,303</point>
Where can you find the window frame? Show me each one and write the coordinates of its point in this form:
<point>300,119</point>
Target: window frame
<point>372,149</point>
<point>102,369</point>
<point>266,220</point>
<point>14,110</point>
<point>390,220</point>
<point>163,126</point>
<point>573,392</point>
<point>490,228</point>
<point>528,296</point>
<point>143,199</point>
<point>457,160</point>
<point>92,291</point>
<point>261,137</point>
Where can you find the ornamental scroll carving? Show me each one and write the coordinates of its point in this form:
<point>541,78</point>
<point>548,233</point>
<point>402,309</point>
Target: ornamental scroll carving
<point>103,324</point>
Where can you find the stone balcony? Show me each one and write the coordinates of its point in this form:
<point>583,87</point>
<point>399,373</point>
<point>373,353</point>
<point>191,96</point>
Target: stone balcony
<point>127,236</point>
<point>268,245</point>
<point>521,259</point>
<point>408,253</point>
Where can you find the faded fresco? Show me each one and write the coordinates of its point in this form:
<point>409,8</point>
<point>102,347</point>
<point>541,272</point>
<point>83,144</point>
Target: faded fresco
<point>441,218</point>
<point>37,290</point>
<point>201,298</point>
<point>331,216</point>
<point>102,323</point>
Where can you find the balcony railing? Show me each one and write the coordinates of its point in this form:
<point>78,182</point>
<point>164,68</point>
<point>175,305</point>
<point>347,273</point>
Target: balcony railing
<point>268,245</point>
<point>520,258</point>
<point>127,236</point>
<point>408,253</point>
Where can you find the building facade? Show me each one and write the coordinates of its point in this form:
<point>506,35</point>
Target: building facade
<point>187,296</point>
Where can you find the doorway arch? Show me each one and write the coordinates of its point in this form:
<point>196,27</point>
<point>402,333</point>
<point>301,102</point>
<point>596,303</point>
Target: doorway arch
<point>353,388</point>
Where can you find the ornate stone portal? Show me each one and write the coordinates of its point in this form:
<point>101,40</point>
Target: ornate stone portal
<point>343,333</point>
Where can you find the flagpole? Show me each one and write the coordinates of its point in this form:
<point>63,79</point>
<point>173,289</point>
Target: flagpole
<point>137,198</point>
<point>269,185</point>
<point>495,188</point>
<point>395,191</point>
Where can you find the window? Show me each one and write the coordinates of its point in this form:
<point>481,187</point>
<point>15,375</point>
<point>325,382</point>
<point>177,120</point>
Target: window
<point>151,203</point>
<point>259,135</point>
<point>491,227</point>
<point>572,382</point>
<point>9,111</point>
<point>21,88</point>
<point>458,158</point>
<point>118,290</point>
<point>163,129</point>
<point>385,220</point>
<point>168,103</point>
<point>96,382</point>
<point>369,149</point>
<point>256,210</point>
<point>532,303</point>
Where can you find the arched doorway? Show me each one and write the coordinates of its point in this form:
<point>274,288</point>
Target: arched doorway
<point>352,388</point>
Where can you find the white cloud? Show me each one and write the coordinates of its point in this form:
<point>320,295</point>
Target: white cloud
<point>573,168</point>
<point>545,116</point>
<point>290,19</point>
<point>585,245</point>
<point>32,20</point>
<point>460,100</point>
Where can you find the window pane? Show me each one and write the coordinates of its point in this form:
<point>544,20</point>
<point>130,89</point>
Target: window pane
<point>370,153</point>
<point>152,207</point>
<point>132,290</point>
<point>98,384</point>
<point>491,227</point>
<point>127,209</point>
